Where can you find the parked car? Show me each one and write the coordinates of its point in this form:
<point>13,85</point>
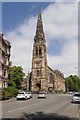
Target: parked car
<point>41,95</point>
<point>24,95</point>
<point>21,95</point>
<point>76,98</point>
<point>29,94</point>
<point>70,92</point>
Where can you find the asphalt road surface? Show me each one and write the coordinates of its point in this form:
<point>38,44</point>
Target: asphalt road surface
<point>54,107</point>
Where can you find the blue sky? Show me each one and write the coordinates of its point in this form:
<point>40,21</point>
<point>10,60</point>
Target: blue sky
<point>15,13</point>
<point>60,23</point>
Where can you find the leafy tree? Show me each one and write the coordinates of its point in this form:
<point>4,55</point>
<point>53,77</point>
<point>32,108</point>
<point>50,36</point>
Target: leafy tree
<point>15,75</point>
<point>72,83</point>
<point>12,90</point>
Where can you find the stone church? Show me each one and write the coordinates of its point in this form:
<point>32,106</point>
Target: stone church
<point>42,77</point>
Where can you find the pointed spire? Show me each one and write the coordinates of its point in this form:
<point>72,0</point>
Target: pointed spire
<point>39,30</point>
<point>39,22</point>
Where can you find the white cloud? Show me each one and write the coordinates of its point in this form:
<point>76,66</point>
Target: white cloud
<point>21,41</point>
<point>63,24</point>
<point>60,21</point>
<point>63,20</point>
<point>67,61</point>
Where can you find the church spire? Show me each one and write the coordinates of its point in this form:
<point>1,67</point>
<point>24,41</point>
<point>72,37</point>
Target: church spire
<point>39,30</point>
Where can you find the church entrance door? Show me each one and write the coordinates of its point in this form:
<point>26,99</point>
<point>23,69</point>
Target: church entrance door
<point>38,85</point>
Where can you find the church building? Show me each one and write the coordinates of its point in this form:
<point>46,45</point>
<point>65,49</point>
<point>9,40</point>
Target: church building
<point>42,77</point>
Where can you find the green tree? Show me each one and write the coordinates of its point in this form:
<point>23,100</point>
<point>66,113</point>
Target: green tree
<point>15,75</point>
<point>72,83</point>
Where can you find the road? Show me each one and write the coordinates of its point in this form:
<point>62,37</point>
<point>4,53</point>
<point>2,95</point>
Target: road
<point>57,106</point>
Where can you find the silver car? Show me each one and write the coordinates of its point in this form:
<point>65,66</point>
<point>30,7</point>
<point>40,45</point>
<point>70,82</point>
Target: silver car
<point>76,98</point>
<point>41,95</point>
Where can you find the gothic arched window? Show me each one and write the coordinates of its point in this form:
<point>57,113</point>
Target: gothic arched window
<point>36,51</point>
<point>40,52</point>
<point>38,72</point>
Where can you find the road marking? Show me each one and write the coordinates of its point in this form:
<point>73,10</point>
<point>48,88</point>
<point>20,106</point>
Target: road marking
<point>51,97</point>
<point>18,109</point>
<point>35,103</point>
<point>28,106</point>
<point>24,107</point>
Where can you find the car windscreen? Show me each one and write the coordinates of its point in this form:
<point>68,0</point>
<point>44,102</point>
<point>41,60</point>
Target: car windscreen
<point>41,93</point>
<point>20,93</point>
<point>78,95</point>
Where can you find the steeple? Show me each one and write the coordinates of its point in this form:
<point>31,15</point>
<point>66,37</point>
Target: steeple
<point>39,60</point>
<point>39,30</point>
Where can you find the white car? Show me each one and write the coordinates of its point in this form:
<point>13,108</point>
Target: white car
<point>21,95</point>
<point>76,98</point>
<point>41,95</point>
<point>29,94</point>
<point>70,92</point>
<point>24,95</point>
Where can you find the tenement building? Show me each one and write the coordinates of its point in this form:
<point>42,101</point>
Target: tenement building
<point>42,77</point>
<point>4,61</point>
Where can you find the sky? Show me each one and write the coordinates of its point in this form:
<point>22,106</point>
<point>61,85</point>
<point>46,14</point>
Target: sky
<point>40,0</point>
<point>60,24</point>
<point>0,16</point>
